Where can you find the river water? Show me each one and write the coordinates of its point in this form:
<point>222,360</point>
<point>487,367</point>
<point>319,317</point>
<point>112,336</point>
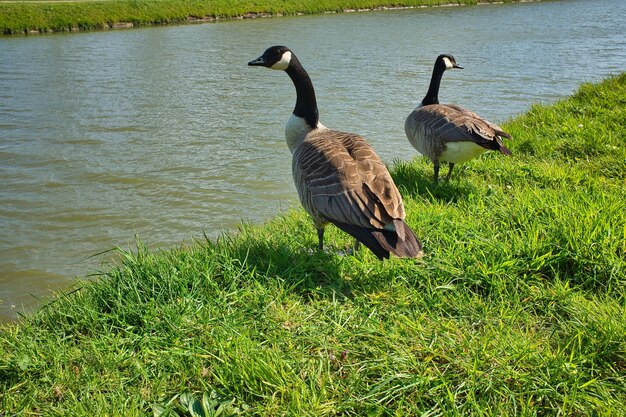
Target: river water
<point>165,133</point>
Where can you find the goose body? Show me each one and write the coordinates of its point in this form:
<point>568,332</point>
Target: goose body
<point>339,177</point>
<point>447,132</point>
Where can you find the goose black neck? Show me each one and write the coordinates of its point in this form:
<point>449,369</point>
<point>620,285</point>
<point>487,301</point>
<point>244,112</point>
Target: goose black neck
<point>432,96</point>
<point>306,104</point>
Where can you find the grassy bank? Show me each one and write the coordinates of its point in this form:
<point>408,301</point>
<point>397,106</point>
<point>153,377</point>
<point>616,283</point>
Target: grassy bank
<point>54,16</point>
<point>518,307</point>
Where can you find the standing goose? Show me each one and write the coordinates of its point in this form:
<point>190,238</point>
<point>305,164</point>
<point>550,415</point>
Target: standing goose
<point>339,177</point>
<point>449,133</point>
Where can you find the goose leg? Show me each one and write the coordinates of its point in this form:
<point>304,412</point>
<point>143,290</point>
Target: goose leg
<point>357,245</point>
<point>436,171</point>
<point>320,237</point>
<point>450,171</point>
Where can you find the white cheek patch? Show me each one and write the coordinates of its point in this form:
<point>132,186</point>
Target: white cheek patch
<point>448,63</point>
<point>283,63</point>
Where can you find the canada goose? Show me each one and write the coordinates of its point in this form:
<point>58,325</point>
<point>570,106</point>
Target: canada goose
<point>449,133</point>
<point>339,177</point>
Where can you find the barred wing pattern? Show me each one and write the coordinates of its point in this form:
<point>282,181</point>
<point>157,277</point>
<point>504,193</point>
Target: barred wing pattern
<point>484,128</point>
<point>341,180</point>
<point>435,125</point>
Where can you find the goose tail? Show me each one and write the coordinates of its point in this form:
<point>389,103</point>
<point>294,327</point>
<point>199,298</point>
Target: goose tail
<point>402,242</point>
<point>504,150</point>
<point>498,145</point>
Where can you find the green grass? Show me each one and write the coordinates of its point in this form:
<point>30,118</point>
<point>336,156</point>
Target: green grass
<point>518,307</point>
<point>53,16</point>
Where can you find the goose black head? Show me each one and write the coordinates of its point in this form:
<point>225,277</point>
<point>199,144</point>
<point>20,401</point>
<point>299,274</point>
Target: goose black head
<point>274,57</point>
<point>446,61</point>
<point>442,63</point>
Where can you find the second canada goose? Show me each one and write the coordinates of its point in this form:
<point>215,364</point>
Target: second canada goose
<point>339,177</point>
<point>450,133</point>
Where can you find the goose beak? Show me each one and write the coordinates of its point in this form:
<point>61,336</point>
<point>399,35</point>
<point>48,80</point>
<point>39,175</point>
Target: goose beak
<point>259,62</point>
<point>457,66</point>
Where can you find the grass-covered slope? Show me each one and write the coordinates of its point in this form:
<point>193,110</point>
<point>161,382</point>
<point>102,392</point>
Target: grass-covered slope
<point>70,15</point>
<point>517,308</point>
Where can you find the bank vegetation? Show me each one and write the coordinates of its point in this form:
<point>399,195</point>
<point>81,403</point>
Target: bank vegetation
<point>34,16</point>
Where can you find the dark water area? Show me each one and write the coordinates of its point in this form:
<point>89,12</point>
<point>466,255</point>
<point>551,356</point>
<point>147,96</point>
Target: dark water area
<point>165,133</point>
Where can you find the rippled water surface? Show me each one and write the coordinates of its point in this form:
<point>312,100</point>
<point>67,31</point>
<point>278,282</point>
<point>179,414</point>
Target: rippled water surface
<point>165,133</point>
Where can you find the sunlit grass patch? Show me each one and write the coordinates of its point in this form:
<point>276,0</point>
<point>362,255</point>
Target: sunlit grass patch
<point>517,308</point>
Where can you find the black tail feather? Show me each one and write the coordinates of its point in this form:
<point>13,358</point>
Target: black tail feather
<point>504,150</point>
<point>495,145</point>
<point>383,242</point>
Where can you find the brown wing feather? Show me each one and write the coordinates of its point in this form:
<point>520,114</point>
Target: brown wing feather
<point>497,129</point>
<point>450,123</point>
<point>341,179</point>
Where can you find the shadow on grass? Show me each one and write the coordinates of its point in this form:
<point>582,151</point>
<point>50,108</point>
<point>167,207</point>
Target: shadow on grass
<point>414,181</point>
<point>305,271</point>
